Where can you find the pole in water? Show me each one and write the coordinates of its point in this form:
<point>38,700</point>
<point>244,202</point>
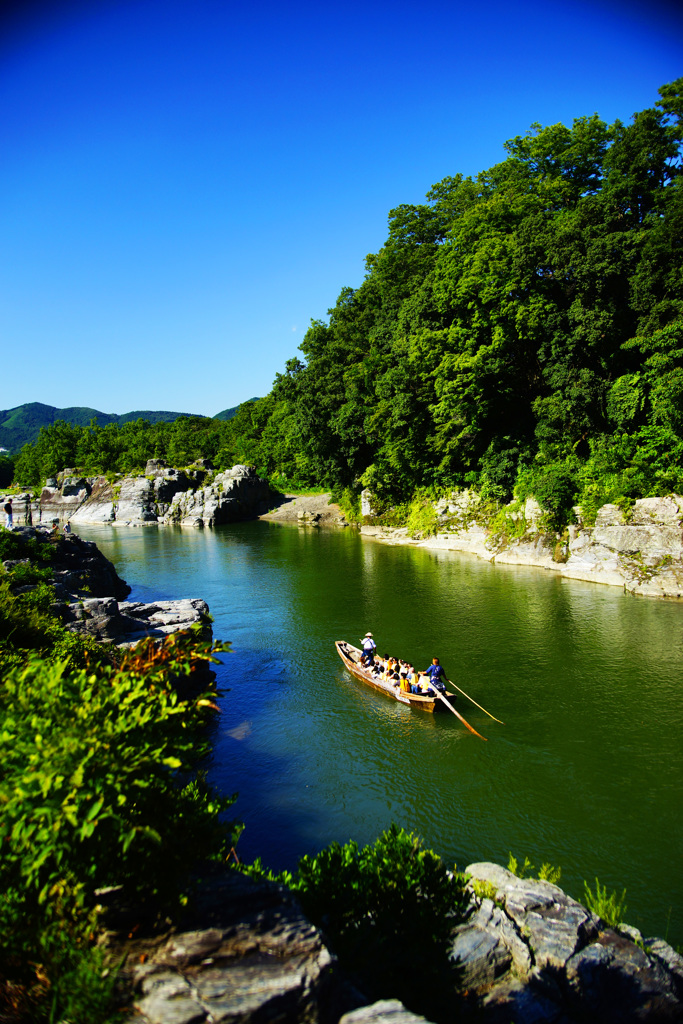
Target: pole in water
<point>474,702</point>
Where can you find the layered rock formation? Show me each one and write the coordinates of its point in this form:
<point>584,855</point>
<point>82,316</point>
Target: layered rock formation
<point>163,495</point>
<point>641,552</point>
<point>238,493</point>
<point>529,952</point>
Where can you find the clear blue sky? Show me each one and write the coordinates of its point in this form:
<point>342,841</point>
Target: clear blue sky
<point>185,184</point>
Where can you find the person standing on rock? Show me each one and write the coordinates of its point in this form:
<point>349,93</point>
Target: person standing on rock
<point>67,529</point>
<point>9,522</point>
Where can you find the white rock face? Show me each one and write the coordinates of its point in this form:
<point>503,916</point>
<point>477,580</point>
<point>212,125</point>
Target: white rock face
<point>234,495</point>
<point>641,552</point>
<point>164,495</point>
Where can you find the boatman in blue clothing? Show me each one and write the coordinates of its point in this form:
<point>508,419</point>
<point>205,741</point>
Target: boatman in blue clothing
<point>437,676</point>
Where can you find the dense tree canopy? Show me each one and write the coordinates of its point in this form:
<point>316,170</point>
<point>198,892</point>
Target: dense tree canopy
<point>522,329</point>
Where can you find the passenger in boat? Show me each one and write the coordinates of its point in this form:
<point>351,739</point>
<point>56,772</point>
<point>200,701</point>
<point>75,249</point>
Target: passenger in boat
<point>405,685</point>
<point>413,679</point>
<point>437,676</point>
<point>369,648</point>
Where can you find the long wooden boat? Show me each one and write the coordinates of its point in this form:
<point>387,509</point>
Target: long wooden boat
<point>351,656</point>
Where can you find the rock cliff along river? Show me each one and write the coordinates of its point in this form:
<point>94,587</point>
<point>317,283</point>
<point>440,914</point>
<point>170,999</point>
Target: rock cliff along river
<point>587,773</point>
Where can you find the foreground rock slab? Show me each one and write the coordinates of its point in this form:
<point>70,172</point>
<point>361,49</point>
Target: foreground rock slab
<point>255,958</point>
<point>386,1011</point>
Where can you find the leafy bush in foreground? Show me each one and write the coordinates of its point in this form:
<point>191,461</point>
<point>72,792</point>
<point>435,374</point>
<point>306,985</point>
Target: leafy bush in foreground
<point>387,911</point>
<point>95,791</point>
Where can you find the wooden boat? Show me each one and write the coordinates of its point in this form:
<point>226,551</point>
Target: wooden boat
<point>351,656</point>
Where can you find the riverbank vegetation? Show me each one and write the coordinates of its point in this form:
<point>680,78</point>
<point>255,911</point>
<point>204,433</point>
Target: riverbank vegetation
<point>387,911</point>
<point>98,790</point>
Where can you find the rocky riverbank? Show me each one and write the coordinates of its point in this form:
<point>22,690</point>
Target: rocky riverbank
<point>526,953</point>
<point>90,595</point>
<point>641,551</point>
<point>195,497</point>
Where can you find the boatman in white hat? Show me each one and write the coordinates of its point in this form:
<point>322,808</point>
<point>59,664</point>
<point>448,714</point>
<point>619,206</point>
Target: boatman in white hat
<point>369,648</point>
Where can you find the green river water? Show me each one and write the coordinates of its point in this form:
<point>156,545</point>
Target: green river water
<point>587,772</point>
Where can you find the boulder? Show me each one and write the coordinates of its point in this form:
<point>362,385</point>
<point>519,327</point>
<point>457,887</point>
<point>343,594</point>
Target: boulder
<point>249,955</point>
<point>536,956</point>
<point>554,924</point>
<point>613,980</point>
<point>386,1011</point>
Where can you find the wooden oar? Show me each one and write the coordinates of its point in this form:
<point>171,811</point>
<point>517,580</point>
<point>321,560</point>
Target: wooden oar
<point>474,702</point>
<point>463,720</point>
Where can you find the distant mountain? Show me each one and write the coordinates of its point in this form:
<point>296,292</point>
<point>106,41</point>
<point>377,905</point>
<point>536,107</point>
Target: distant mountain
<point>21,425</point>
<point>228,414</point>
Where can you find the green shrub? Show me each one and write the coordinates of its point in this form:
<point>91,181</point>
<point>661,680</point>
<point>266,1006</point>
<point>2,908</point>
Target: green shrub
<point>548,873</point>
<point>388,911</point>
<point>349,502</point>
<point>422,519</point>
<point>483,889</point>
<point>521,870</point>
<point>95,790</point>
<point>611,908</point>
<point>14,546</point>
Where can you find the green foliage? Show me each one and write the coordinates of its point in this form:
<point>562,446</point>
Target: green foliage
<point>388,910</point>
<point>349,502</point>
<point>483,889</point>
<point>13,546</point>
<point>6,471</point>
<point>611,908</point>
<point>521,870</point>
<point>549,873</point>
<point>95,790</point>
<point>422,520</point>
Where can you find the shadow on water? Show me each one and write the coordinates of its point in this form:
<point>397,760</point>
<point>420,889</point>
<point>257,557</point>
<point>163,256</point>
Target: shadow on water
<point>587,773</point>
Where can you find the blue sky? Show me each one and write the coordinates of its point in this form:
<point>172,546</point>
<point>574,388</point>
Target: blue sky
<point>185,184</point>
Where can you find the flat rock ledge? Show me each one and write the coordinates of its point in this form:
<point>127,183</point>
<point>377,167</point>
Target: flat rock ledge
<point>255,958</point>
<point>528,955</point>
<point>126,622</point>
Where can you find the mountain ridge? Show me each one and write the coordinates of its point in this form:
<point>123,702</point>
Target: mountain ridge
<point>21,425</point>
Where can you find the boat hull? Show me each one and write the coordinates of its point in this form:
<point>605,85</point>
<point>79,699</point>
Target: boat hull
<point>351,657</point>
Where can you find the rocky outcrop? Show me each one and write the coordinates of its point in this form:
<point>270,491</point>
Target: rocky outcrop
<point>89,595</point>
<point>237,494</point>
<point>79,569</point>
<point>248,954</point>
<point>643,553</point>
<point>530,953</point>
<point>163,495</point>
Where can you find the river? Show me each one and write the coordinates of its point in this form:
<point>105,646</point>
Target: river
<point>587,772</point>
